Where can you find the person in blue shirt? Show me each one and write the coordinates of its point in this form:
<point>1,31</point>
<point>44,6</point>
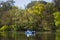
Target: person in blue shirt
<point>28,33</point>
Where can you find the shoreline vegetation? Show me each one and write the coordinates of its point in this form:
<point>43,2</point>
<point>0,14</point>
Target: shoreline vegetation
<point>39,16</point>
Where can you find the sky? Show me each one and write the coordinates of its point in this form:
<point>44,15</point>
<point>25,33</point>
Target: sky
<point>23,3</point>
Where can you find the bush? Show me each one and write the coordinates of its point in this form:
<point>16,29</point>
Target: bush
<point>4,28</point>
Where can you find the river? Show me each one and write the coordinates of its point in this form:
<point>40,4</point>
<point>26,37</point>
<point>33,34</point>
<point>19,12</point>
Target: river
<point>13,35</point>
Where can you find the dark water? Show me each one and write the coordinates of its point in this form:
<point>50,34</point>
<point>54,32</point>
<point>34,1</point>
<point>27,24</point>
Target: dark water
<point>21,36</point>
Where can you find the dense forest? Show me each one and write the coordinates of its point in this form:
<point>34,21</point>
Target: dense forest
<point>37,15</point>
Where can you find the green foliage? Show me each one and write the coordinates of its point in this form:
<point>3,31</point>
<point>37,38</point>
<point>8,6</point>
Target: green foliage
<point>4,6</point>
<point>50,8</point>
<point>37,15</point>
<point>4,28</point>
<point>57,18</point>
<point>57,4</point>
<point>34,2</point>
<point>14,27</point>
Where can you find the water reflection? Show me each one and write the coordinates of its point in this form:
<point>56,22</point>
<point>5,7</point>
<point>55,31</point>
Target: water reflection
<point>21,36</point>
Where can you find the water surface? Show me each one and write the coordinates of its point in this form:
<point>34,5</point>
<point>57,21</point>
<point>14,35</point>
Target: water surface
<point>8,35</point>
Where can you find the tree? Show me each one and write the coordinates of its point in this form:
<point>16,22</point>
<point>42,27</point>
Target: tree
<point>48,16</point>
<point>6,5</point>
<point>4,8</point>
<point>34,2</point>
<point>57,19</point>
<point>37,11</point>
<point>57,4</point>
<point>7,17</point>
